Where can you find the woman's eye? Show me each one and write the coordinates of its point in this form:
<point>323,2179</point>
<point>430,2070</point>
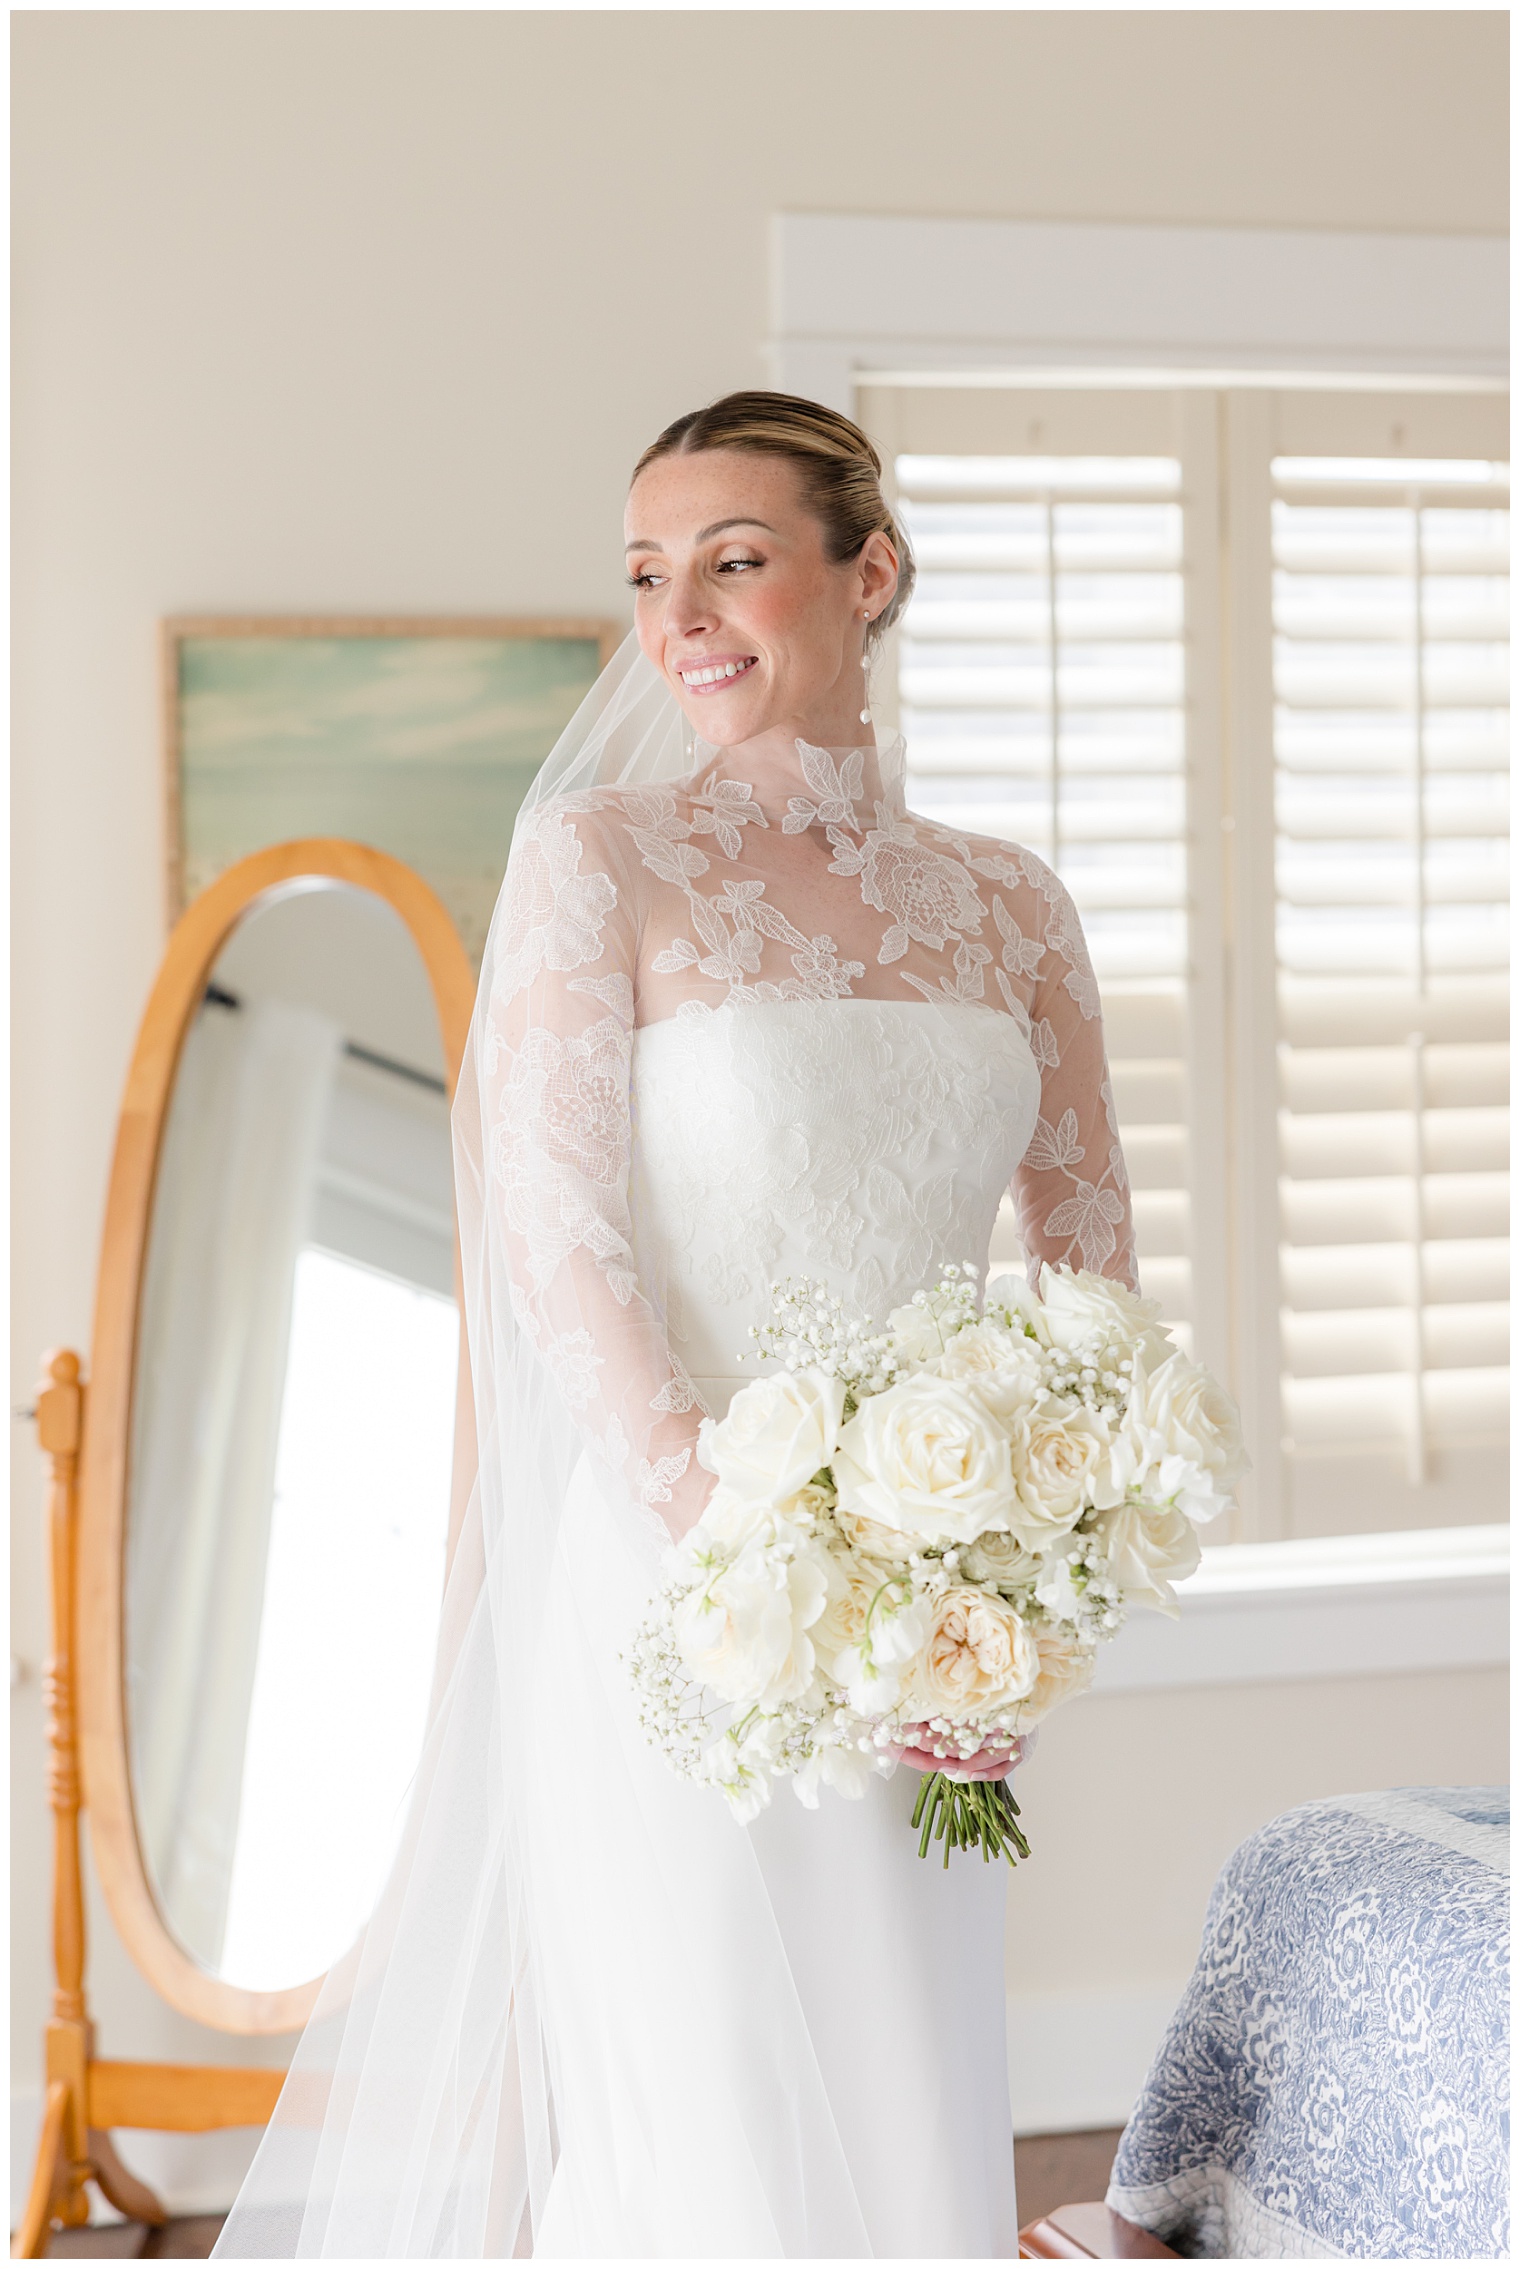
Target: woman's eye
<point>726,565</point>
<point>646,580</point>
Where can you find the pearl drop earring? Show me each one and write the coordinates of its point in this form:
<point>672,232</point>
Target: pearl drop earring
<point>865,663</point>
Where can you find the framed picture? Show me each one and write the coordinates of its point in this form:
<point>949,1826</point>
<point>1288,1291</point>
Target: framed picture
<point>418,736</point>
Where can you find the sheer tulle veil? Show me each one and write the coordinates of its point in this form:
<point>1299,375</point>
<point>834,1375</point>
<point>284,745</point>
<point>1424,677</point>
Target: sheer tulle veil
<point>418,2117</point>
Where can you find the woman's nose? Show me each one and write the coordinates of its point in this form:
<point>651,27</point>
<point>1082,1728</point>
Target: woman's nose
<point>689,608</point>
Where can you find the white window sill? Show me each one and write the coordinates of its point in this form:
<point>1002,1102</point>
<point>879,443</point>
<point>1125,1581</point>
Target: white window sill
<point>1324,1607</point>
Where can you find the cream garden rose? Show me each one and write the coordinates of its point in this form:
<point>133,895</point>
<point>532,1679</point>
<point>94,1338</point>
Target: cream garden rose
<point>926,1458</point>
<point>979,1659</point>
<point>1066,1669</point>
<point>779,1432</point>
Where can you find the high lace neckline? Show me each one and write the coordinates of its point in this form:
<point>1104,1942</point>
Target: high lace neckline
<point>830,787</point>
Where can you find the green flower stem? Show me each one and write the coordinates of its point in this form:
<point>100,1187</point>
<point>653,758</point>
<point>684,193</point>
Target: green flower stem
<point>967,1815</point>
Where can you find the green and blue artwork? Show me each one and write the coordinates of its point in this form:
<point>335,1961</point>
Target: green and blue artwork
<point>421,743</point>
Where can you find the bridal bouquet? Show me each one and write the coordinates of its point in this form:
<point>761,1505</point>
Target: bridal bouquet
<point>920,1535</point>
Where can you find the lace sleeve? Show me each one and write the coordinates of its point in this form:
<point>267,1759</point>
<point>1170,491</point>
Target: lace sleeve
<point>1072,1190</point>
<point>557,1065</point>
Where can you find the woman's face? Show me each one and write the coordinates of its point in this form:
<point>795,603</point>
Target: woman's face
<point>755,630</point>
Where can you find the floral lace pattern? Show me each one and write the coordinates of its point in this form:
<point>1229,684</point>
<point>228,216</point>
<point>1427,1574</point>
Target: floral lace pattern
<point>641,905</point>
<point>1334,2084</point>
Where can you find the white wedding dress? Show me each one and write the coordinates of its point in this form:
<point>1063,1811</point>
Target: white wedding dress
<point>724,1035</point>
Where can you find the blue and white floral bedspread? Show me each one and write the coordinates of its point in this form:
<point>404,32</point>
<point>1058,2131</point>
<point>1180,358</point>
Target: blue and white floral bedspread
<point>1335,2082</point>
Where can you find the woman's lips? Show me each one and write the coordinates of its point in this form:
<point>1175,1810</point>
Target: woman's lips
<point>714,671</point>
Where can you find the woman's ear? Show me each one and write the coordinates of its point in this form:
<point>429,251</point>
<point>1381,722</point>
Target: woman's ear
<point>877,562</point>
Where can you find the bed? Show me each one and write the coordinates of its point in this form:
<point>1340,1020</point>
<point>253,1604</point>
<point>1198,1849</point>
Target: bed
<point>1334,2084</point>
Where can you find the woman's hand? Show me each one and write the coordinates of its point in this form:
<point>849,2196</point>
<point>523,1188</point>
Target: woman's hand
<point>991,1764</point>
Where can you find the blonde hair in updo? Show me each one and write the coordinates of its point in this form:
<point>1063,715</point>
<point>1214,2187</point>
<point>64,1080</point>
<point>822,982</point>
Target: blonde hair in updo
<point>840,470</point>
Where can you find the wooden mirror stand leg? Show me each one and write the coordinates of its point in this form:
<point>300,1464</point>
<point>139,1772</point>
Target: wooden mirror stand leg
<point>86,2096</point>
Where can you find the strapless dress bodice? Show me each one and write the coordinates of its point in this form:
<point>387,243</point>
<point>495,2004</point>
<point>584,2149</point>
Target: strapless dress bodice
<point>861,1142</point>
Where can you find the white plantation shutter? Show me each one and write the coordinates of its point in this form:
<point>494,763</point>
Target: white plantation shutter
<point>1390,613</point>
<point>1041,668</point>
<point>1233,660</point>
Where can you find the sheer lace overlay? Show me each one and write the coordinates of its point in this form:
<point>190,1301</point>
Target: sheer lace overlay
<point>727,1029</point>
<point>630,907</point>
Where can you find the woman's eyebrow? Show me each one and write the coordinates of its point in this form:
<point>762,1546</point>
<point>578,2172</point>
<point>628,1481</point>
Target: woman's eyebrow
<point>652,543</point>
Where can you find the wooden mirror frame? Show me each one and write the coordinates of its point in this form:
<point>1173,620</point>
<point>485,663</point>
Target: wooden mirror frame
<point>105,1461</point>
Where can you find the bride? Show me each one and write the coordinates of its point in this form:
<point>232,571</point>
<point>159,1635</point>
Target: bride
<point>742,1015</point>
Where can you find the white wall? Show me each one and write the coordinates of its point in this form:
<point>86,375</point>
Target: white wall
<point>353,311</point>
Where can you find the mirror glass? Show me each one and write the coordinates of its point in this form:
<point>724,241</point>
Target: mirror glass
<point>292,1437</point>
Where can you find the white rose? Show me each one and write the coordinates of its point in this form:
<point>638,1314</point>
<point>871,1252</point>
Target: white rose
<point>1078,1304</point>
<point>928,1458</point>
<point>1060,1457</point>
<point>870,1630</point>
<point>1149,1548</point>
<point>979,1659</point>
<point>778,1432</point>
<point>999,1558</point>
<point>1066,1669</point>
<point>1002,1366</point>
<point>1182,1429</point>
<point>745,1631</point>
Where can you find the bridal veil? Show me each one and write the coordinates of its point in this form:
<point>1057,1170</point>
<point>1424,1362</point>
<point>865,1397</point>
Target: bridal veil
<point>418,2118</point>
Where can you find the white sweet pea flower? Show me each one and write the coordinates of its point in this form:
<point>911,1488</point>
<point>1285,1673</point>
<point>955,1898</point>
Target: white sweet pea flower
<point>841,1766</point>
<point>869,1632</point>
<point>777,1433</point>
<point>744,1632</point>
<point>1149,1548</point>
<point>1013,1298</point>
<point>1056,1592</point>
<point>727,1524</point>
<point>926,1458</point>
<point>741,1767</point>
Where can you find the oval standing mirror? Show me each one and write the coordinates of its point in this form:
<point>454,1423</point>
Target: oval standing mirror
<point>276,1519</point>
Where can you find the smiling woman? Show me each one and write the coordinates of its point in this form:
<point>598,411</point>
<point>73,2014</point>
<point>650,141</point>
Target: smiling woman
<point>742,1016</point>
